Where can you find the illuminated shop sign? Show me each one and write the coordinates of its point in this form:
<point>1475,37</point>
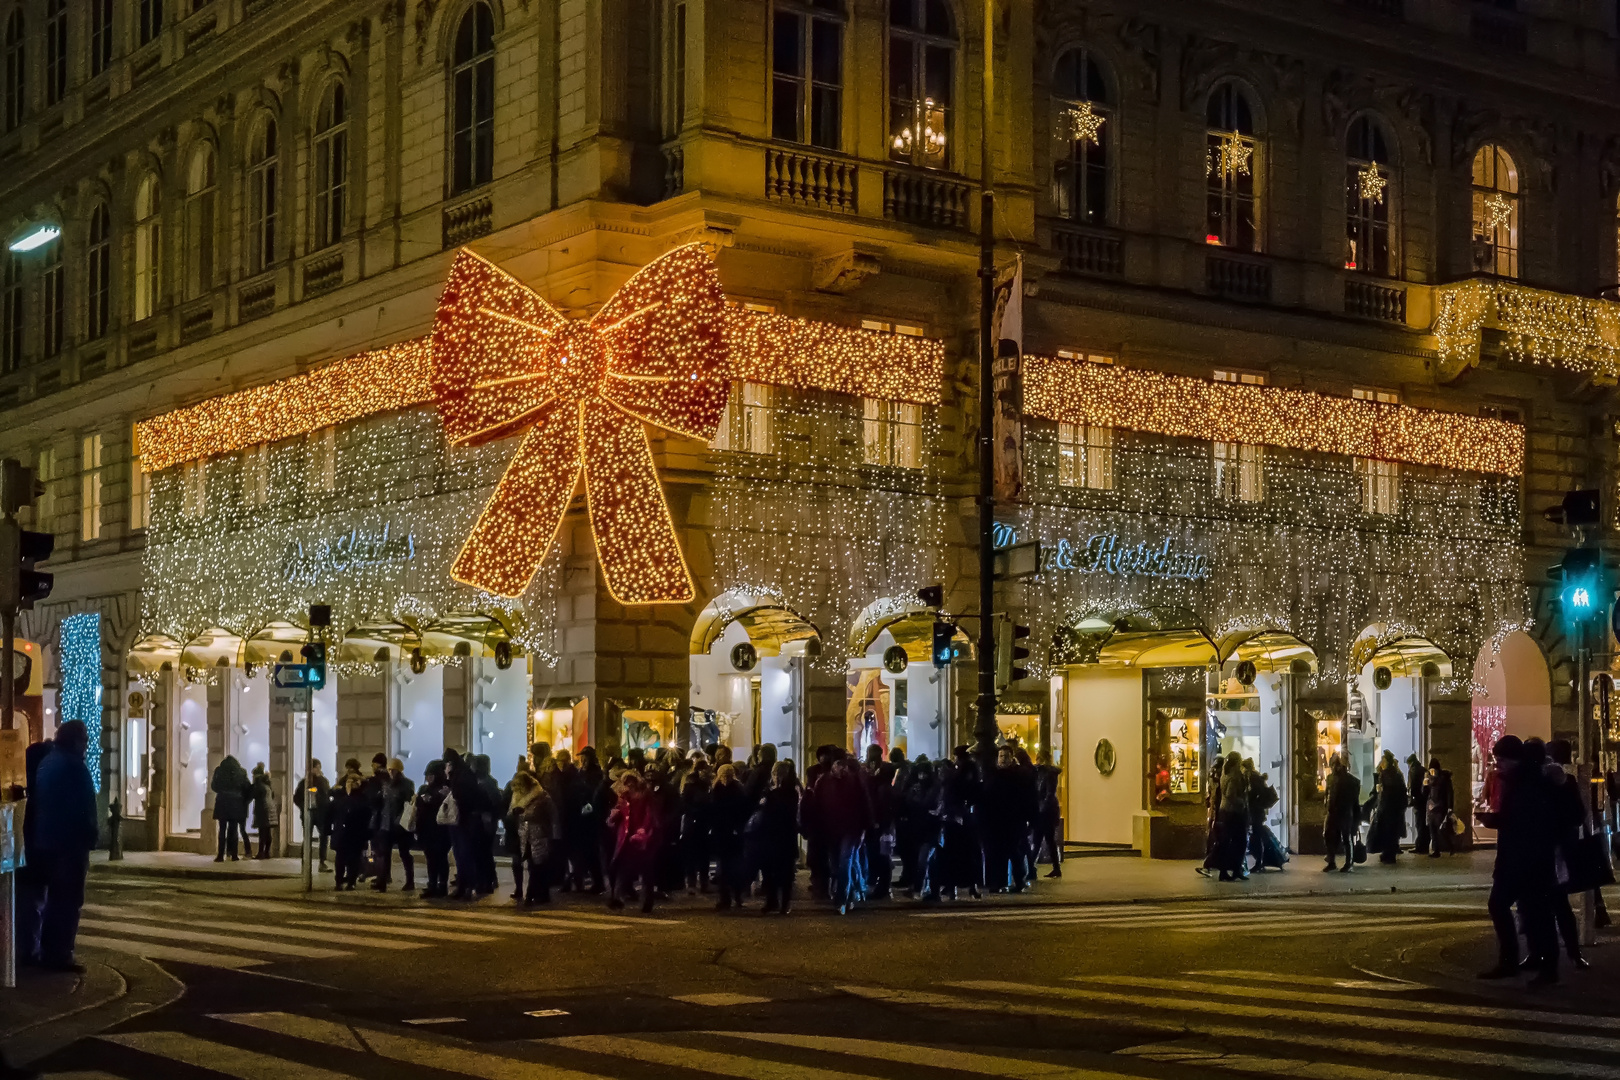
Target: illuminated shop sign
<point>357,549</point>
<point>1104,554</point>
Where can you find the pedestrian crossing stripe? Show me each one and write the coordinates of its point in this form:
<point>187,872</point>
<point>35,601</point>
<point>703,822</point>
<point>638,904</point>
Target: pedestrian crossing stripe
<point>648,1052</point>
<point>930,1057</point>
<point>384,924</point>
<point>200,937</point>
<point>505,917</point>
<point>1154,1018</point>
<point>432,919</point>
<point>1175,1053</point>
<point>220,1058</point>
<point>1383,985</point>
<point>369,941</point>
<point>152,950</point>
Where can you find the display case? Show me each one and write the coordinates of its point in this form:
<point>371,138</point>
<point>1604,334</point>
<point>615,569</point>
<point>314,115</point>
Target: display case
<point>647,729</point>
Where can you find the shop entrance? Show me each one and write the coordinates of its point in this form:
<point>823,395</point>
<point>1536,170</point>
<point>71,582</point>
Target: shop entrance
<point>322,718</point>
<point>1388,706</point>
<point>894,695</point>
<point>748,655</point>
<point>1253,712</point>
<point>1517,701</point>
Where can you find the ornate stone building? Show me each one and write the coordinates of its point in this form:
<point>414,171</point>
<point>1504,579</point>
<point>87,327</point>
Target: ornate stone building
<point>1317,305</point>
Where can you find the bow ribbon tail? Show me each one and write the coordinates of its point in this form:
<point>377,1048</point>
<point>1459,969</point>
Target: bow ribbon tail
<point>513,534</point>
<point>635,535</point>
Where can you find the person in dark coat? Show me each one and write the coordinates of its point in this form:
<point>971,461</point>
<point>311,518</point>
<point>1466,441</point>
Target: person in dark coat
<point>1212,818</point>
<point>472,803</point>
<point>230,787</point>
<point>878,847</point>
<point>1343,800</point>
<point>1389,814</point>
<point>32,879</point>
<point>695,826</point>
<point>1234,804</point>
<point>1262,841</point>
<point>65,831</point>
<point>961,859</point>
<point>923,813</point>
<point>1417,797</point>
<point>843,815</point>
<point>262,799</point>
<point>779,838</point>
<point>1560,773</point>
<point>320,811</point>
<point>729,811</point>
<point>1439,802</point>
<point>351,826</point>
<point>489,816</point>
<point>396,793</point>
<point>434,837</point>
<point>1008,808</point>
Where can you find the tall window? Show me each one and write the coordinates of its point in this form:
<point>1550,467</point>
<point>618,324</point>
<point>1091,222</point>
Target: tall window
<point>148,247</point>
<point>16,72</point>
<point>1085,456</point>
<point>53,299</point>
<point>261,207</point>
<point>323,459</point>
<point>892,433</point>
<point>45,472</point>
<point>1232,162</point>
<point>90,488</point>
<point>745,425</point>
<point>56,50</point>
<point>140,489</point>
<point>1368,192</point>
<point>472,101</point>
<point>150,20</point>
<point>256,475</point>
<point>194,489</point>
<point>922,72</point>
<point>1496,212</point>
<point>98,274</point>
<point>675,65</point>
<point>1380,480</point>
<point>200,222</point>
<point>1081,130</point>
<point>1238,471</point>
<point>331,165</point>
<point>807,72</point>
<point>101,35</point>
<point>13,311</point>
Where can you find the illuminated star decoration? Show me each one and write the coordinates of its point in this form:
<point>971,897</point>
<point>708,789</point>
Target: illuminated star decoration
<point>1082,124</point>
<point>1370,184</point>
<point>506,362</point>
<point>1233,156</point>
<point>1498,211</point>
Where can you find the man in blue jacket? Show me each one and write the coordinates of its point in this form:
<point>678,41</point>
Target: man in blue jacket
<point>65,831</point>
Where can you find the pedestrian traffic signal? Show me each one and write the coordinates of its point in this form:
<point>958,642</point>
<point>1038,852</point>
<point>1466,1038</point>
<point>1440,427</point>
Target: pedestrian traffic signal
<point>1584,592</point>
<point>1010,652</point>
<point>932,596</point>
<point>315,656</point>
<point>22,586</point>
<point>944,643</point>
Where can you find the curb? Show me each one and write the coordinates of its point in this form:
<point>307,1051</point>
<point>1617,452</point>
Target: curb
<point>143,988</point>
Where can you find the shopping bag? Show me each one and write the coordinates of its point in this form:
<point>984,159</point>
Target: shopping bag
<point>407,817</point>
<point>449,813</point>
<point>1587,865</point>
<point>1360,851</point>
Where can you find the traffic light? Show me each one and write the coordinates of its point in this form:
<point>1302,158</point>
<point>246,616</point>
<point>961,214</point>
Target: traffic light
<point>944,643</point>
<point>315,656</point>
<point>22,586</point>
<point>1582,587</point>
<point>932,596</point>
<point>1010,652</point>
<point>1579,508</point>
<point>19,487</point>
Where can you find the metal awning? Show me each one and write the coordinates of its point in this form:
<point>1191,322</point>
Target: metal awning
<point>1158,648</point>
<point>151,651</point>
<point>1267,650</point>
<point>1412,657</point>
<point>210,648</point>
<point>770,625</point>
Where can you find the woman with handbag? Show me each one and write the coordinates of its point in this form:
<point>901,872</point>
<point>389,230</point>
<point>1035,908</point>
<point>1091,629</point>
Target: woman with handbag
<point>1438,809</point>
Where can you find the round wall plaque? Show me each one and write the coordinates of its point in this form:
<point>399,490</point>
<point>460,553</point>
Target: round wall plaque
<point>1105,757</point>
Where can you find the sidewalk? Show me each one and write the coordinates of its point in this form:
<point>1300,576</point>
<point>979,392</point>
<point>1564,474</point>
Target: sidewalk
<point>1084,881</point>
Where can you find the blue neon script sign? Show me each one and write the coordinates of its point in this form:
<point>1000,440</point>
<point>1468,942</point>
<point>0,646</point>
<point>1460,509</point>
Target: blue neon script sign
<point>1103,554</point>
<point>356,549</point>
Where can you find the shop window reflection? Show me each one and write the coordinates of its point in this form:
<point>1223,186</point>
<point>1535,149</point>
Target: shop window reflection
<point>1086,456</point>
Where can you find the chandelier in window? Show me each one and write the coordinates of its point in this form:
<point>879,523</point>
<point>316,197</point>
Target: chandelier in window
<point>921,134</point>
<point>1370,183</point>
<point>1232,157</point>
<point>1496,210</point>
<point>1080,123</point>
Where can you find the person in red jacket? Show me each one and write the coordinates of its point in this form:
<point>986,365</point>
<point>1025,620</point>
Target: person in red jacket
<point>844,814</point>
<point>635,851</point>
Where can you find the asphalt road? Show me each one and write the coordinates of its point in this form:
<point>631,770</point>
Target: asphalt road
<point>1328,988</point>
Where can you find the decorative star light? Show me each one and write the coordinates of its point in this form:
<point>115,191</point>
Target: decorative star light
<point>582,393</point>
<point>1080,123</point>
<point>1233,156</point>
<point>1498,210</point>
<point>1370,183</point>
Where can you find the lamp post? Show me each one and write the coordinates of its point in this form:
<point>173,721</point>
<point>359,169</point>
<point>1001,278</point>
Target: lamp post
<point>984,728</point>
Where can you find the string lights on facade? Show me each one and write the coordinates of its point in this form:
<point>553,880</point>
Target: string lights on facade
<point>1109,395</point>
<point>79,697</point>
<point>1538,327</point>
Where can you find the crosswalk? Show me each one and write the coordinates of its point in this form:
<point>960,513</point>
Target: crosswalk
<point>1182,1025</point>
<point>1270,920</point>
<point>240,934</point>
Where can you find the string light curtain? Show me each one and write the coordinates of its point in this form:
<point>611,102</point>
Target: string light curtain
<point>79,646</point>
<point>1577,333</point>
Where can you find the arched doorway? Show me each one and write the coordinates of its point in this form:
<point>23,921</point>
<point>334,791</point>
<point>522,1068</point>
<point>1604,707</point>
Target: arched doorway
<point>906,702</point>
<point>747,668</point>
<point>1517,700</point>
<point>1388,706</point>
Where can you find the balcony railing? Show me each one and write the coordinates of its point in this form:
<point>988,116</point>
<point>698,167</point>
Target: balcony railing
<point>924,198</point>
<point>1237,279</point>
<point>257,298</point>
<point>197,320</point>
<point>323,272</point>
<point>468,221</point>
<point>1534,326</point>
<point>1088,251</point>
<point>1370,300</point>
<point>823,183</point>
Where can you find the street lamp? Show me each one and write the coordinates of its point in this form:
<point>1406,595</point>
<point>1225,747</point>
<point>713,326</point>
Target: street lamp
<point>35,237</point>
<point>984,727</point>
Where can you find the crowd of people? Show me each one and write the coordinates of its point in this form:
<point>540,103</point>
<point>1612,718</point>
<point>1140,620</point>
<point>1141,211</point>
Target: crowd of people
<point>645,826</point>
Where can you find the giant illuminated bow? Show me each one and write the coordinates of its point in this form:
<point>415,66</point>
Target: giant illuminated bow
<point>505,361</point>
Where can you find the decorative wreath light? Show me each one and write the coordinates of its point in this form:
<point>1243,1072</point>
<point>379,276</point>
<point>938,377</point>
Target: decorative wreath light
<point>1370,183</point>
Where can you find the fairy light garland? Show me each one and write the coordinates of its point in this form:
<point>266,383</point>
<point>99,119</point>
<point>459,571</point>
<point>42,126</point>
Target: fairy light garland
<point>1538,327</point>
<point>79,639</point>
<point>1108,395</point>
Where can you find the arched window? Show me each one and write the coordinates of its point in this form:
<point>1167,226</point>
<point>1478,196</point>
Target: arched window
<point>1232,163</point>
<point>98,274</point>
<point>472,101</point>
<point>922,74</point>
<point>1081,130</point>
<point>331,165</point>
<point>807,72</point>
<point>56,51</point>
<point>53,299</point>
<point>199,222</point>
<point>148,247</point>
<point>16,72</point>
<point>1369,191</point>
<point>13,312</point>
<point>1496,212</point>
<point>261,198</point>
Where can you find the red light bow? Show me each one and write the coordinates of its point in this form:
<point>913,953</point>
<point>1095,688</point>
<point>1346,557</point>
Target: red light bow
<point>505,361</point>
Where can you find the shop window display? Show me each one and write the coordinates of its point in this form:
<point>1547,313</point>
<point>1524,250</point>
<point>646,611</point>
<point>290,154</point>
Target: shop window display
<point>868,717</point>
<point>647,729</point>
<point>1179,744</point>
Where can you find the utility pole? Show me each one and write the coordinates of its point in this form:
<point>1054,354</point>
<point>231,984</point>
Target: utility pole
<point>984,728</point>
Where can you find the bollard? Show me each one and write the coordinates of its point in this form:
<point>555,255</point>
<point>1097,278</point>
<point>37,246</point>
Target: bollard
<point>115,832</point>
